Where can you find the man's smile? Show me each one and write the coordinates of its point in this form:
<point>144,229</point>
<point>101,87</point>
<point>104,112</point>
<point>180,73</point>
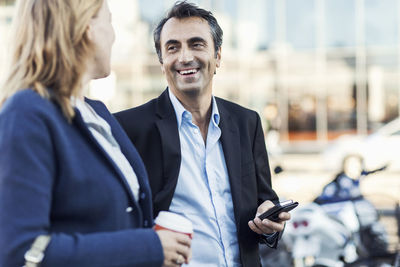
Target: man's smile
<point>188,71</point>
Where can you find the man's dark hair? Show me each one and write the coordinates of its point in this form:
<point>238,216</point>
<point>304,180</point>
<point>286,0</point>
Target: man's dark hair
<point>183,9</point>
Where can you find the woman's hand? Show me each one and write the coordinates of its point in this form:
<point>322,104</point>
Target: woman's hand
<point>176,248</point>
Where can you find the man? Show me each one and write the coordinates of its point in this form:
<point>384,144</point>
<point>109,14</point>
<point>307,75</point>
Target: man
<point>205,156</point>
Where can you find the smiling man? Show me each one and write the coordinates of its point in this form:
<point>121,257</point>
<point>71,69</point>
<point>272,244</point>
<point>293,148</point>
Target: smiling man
<point>205,156</point>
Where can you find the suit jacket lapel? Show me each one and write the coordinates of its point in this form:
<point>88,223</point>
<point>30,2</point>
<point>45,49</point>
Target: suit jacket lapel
<point>230,141</point>
<point>171,149</point>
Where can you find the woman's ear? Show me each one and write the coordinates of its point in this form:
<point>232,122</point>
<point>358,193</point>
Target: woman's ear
<point>89,32</point>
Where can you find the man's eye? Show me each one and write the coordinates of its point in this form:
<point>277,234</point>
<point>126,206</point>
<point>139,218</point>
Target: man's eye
<point>171,48</point>
<point>198,45</point>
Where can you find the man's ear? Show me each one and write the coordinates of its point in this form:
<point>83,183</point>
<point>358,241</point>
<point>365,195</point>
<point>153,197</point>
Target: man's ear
<point>162,68</point>
<point>218,57</point>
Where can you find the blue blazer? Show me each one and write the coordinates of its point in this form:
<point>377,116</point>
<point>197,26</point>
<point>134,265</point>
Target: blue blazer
<point>56,179</point>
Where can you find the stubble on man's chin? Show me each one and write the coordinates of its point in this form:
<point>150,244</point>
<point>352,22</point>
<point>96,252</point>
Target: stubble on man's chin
<point>191,92</point>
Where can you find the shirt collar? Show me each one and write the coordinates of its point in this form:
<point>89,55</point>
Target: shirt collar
<point>181,112</point>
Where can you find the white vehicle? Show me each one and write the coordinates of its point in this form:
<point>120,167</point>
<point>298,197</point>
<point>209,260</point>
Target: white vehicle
<point>316,239</point>
<point>377,149</point>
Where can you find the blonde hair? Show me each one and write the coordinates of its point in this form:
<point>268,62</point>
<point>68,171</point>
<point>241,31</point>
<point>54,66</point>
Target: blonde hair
<point>51,49</point>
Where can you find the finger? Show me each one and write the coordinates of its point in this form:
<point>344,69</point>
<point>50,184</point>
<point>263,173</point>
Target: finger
<point>266,205</point>
<point>254,228</point>
<point>189,257</point>
<point>271,226</point>
<point>265,228</point>
<point>176,262</point>
<point>184,240</point>
<point>183,250</point>
<point>171,263</point>
<point>180,260</point>
<point>284,216</point>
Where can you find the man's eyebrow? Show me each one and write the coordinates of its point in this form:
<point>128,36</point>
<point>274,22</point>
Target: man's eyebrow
<point>171,41</point>
<point>196,39</point>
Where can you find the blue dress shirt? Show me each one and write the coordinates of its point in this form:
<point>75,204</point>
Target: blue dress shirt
<point>203,192</point>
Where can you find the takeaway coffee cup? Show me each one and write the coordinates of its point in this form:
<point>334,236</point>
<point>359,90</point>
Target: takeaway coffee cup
<point>174,222</point>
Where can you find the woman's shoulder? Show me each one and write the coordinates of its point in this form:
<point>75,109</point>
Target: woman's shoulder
<point>96,104</point>
<point>100,108</point>
<point>26,100</point>
<point>27,105</point>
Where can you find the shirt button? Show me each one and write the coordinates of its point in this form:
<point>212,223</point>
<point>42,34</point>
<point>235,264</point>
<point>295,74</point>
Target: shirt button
<point>146,223</point>
<point>129,209</point>
<point>142,195</point>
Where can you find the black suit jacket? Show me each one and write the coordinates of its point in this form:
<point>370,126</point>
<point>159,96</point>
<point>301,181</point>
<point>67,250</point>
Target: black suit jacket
<point>153,129</point>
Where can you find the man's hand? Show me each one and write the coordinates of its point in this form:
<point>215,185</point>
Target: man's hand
<point>266,226</point>
<point>176,248</point>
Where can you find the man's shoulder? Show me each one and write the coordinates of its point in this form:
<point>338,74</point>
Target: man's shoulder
<point>234,108</point>
<point>145,110</point>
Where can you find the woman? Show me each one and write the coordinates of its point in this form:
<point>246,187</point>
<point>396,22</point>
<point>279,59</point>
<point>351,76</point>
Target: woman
<point>73,190</point>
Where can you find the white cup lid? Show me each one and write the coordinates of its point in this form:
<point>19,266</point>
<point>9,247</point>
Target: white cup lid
<point>174,221</point>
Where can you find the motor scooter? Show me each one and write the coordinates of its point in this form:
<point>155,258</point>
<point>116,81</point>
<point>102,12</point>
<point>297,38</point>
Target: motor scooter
<point>343,200</point>
<point>338,227</point>
<point>314,238</point>
<point>311,237</point>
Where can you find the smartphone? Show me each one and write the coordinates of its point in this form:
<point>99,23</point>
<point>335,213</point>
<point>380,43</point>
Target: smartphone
<point>273,213</point>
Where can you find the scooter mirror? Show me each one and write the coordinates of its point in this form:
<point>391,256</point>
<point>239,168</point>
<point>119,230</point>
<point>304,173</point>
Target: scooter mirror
<point>278,169</point>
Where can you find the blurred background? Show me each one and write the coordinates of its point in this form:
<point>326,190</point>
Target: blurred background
<point>324,75</point>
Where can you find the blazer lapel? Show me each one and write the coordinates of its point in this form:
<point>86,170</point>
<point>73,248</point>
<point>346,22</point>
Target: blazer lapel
<point>170,143</point>
<point>78,120</point>
<point>230,141</point>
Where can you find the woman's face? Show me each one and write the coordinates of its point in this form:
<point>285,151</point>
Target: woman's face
<point>101,33</point>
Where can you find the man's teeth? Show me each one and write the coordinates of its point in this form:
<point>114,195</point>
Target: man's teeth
<point>184,72</point>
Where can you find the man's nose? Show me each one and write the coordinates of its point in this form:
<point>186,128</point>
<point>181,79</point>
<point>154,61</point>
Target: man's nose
<point>185,55</point>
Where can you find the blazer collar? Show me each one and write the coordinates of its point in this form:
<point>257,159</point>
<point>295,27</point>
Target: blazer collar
<point>164,108</point>
<point>230,140</point>
<point>81,125</point>
<point>170,144</point>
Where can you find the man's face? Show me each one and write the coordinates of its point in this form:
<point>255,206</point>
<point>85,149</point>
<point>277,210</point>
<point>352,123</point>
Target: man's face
<point>188,56</point>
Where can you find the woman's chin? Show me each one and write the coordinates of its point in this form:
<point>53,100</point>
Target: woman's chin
<point>101,75</point>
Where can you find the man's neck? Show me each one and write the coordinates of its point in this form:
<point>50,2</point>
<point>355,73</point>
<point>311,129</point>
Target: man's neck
<point>200,106</point>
